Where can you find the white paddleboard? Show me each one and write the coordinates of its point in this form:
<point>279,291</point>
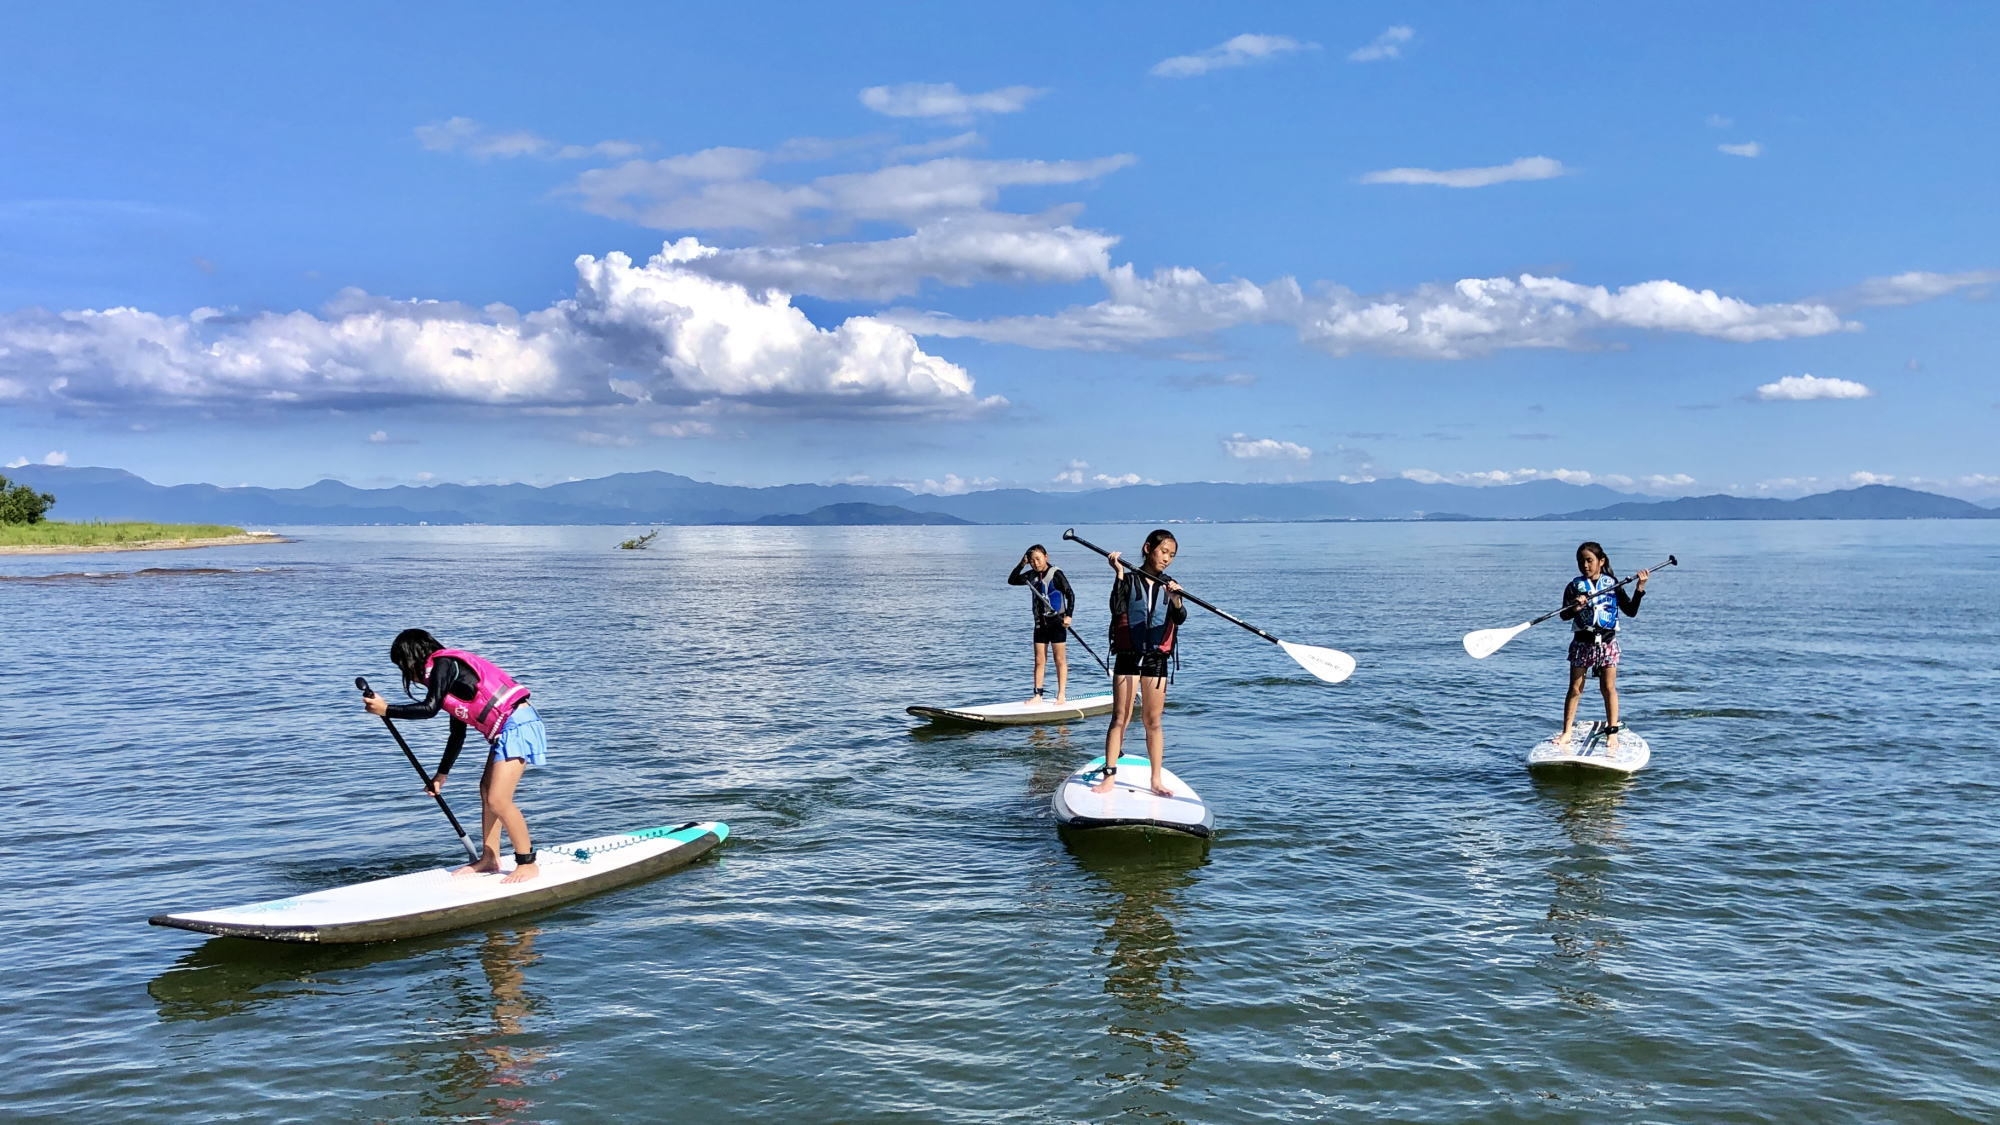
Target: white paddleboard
<point>1131,805</point>
<point>427,902</point>
<point>1016,714</point>
<point>1592,751</point>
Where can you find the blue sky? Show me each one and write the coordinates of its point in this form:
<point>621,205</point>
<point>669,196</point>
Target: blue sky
<point>1707,248</point>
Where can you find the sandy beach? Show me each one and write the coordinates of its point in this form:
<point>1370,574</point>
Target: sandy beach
<point>144,545</point>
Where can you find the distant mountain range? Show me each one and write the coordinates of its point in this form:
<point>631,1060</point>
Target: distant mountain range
<point>668,498</point>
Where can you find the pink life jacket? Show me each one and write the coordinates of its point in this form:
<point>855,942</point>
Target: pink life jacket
<point>491,703</point>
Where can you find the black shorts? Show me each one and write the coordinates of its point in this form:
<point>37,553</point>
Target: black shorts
<point>1150,665</point>
<point>1050,632</point>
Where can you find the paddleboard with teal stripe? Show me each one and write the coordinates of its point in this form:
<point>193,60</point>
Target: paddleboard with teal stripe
<point>428,902</point>
<point>1130,805</point>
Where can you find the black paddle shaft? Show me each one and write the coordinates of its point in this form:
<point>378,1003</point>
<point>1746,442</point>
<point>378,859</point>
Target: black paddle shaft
<point>1671,561</point>
<point>362,683</point>
<point>1073,537</point>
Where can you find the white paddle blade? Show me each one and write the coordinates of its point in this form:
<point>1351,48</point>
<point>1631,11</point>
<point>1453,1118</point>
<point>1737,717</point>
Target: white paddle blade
<point>1328,664</point>
<point>1485,642</point>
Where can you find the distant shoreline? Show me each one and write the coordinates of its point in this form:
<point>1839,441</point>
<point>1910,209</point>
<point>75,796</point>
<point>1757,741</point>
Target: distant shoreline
<point>142,545</point>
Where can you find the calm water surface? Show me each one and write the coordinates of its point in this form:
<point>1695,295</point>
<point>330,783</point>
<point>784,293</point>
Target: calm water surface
<point>1790,915</point>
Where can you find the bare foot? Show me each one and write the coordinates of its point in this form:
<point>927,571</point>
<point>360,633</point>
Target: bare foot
<point>1159,788</point>
<point>478,867</point>
<point>523,872</point>
<point>1062,699</point>
<point>1035,698</point>
<point>1105,785</point>
<point>1562,739</point>
<point>1611,741</point>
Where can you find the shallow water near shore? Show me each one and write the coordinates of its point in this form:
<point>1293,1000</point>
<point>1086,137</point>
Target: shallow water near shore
<point>1789,914</point>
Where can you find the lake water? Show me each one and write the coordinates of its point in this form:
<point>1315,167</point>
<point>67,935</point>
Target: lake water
<point>1791,914</point>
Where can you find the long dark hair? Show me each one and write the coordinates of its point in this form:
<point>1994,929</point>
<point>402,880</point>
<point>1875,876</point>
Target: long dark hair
<point>409,652</point>
<point>1590,546</point>
<point>1158,536</point>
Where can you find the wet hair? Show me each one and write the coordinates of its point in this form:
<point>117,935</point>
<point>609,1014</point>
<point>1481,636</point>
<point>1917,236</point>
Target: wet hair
<point>411,649</point>
<point>1591,547</point>
<point>1159,535</point>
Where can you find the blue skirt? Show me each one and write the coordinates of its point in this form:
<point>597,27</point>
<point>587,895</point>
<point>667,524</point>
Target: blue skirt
<point>523,737</point>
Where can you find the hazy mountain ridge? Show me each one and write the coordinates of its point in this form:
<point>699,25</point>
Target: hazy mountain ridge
<point>88,493</point>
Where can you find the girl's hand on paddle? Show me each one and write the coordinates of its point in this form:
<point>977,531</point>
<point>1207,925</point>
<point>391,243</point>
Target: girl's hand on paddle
<point>375,705</point>
<point>1643,575</point>
<point>437,783</point>
<point>1065,622</point>
<point>1116,566</point>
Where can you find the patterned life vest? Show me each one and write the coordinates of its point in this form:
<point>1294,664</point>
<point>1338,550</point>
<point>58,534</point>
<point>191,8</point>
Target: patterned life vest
<point>1602,614</point>
<point>1046,598</point>
<point>491,703</point>
<point>1142,620</point>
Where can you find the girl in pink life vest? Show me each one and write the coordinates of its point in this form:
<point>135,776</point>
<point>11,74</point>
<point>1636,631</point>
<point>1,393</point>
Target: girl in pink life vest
<point>477,694</point>
<point>1146,617</point>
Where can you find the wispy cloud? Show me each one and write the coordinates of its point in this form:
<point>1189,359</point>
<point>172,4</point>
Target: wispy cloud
<point>1388,45</point>
<point>463,134</point>
<point>1526,168</point>
<point>1805,388</point>
<point>944,100</point>
<point>1667,483</point>
<point>1749,149</point>
<point>1243,447</point>
<point>1243,50</point>
<point>1718,121</point>
<point>1918,285</point>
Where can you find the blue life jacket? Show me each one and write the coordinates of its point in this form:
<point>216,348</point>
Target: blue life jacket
<point>1602,614</point>
<point>1047,600</point>
<point>1143,618</point>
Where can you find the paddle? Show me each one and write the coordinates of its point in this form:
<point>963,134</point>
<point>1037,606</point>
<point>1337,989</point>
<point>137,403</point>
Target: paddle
<point>1328,664</point>
<point>1483,643</point>
<point>1044,599</point>
<point>465,841</point>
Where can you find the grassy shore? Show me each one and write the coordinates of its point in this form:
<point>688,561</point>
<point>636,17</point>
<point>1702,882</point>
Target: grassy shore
<point>54,533</point>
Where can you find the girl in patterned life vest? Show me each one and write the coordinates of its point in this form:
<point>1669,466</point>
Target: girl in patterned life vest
<point>1146,617</point>
<point>1592,610</point>
<point>477,694</point>
<point>1053,603</point>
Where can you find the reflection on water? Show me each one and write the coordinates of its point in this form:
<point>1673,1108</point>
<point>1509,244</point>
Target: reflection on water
<point>1149,970</point>
<point>480,1056</point>
<point>490,1062</point>
<point>1586,810</point>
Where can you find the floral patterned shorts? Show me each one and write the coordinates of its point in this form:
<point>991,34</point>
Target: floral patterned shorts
<point>1586,651</point>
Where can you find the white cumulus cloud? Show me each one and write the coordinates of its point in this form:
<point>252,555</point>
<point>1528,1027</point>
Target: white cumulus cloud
<point>1242,50</point>
<point>657,331</point>
<point>945,100</point>
<point>1525,168</point>
<point>1750,149</point>
<point>1243,447</point>
<point>1388,45</point>
<point>1072,473</point>
<point>1802,388</point>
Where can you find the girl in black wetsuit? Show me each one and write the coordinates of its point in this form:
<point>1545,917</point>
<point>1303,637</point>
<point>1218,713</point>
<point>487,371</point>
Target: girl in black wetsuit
<point>1052,602</point>
<point>1146,617</point>
<point>476,693</point>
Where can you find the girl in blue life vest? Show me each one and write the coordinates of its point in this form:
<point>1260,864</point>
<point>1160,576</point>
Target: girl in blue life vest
<point>477,694</point>
<point>1592,611</point>
<point>1053,603</point>
<point>1146,617</point>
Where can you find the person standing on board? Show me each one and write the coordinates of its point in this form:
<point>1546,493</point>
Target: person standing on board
<point>475,693</point>
<point>1051,600</point>
<point>1146,616</point>
<point>1592,611</point>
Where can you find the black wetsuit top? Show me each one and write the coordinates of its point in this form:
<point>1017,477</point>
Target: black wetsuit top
<point>448,674</point>
<point>1024,574</point>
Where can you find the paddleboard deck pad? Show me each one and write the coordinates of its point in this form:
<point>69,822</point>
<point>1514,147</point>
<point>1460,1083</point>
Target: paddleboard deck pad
<point>1016,714</point>
<point>1592,752</point>
<point>1131,805</point>
<point>428,902</point>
